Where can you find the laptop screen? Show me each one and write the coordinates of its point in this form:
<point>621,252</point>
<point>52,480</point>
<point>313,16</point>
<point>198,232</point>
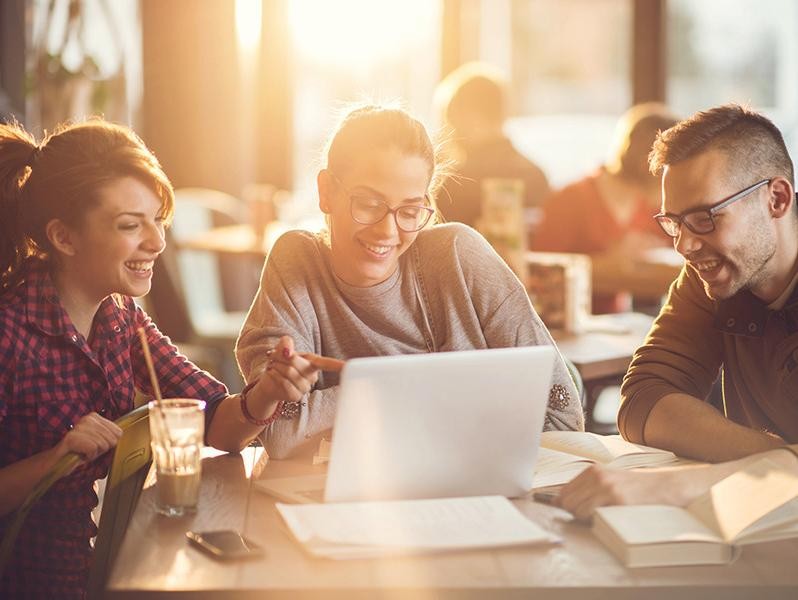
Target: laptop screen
<point>439,425</point>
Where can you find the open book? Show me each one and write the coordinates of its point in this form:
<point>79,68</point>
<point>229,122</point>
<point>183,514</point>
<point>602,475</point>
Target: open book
<point>373,529</point>
<point>756,504</point>
<point>565,454</point>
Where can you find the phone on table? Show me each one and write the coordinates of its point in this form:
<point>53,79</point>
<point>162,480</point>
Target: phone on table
<point>224,544</point>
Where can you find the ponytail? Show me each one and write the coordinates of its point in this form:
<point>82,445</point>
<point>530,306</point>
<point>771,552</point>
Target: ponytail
<point>18,151</point>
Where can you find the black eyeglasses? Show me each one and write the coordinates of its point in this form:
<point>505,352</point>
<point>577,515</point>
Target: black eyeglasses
<point>700,220</point>
<point>367,210</point>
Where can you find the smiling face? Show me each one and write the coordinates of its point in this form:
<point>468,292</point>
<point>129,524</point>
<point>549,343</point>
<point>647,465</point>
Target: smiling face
<point>737,254</point>
<point>365,255</point>
<point>114,247</point>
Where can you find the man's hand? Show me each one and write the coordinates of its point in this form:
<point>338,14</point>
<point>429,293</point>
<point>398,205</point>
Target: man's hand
<point>601,486</point>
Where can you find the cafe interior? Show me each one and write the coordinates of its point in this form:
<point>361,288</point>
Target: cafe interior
<point>237,97</point>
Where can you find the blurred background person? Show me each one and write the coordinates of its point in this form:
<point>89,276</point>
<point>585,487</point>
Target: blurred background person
<point>473,103</point>
<point>608,214</point>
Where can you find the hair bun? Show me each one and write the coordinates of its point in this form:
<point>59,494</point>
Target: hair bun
<point>34,155</point>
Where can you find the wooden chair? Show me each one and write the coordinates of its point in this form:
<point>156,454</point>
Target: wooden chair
<point>132,457</point>
<point>191,289</point>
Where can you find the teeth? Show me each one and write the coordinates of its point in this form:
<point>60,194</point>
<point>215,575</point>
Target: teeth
<point>706,265</point>
<point>139,265</point>
<point>377,249</point>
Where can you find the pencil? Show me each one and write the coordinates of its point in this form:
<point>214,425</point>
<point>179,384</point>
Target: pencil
<point>325,363</point>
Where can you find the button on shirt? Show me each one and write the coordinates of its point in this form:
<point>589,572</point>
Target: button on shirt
<point>50,377</point>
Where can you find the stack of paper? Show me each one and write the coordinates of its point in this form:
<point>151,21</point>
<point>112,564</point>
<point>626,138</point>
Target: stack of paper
<point>373,529</point>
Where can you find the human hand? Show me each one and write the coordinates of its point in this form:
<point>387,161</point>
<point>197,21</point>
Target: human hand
<point>601,486</point>
<point>288,375</point>
<point>91,437</point>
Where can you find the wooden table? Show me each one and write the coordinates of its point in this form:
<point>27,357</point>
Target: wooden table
<point>155,560</point>
<point>646,276</point>
<point>238,239</point>
<point>602,354</point>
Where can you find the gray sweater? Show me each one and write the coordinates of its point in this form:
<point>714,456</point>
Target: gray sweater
<point>450,292</point>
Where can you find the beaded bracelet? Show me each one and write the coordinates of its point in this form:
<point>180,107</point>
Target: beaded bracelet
<point>248,416</point>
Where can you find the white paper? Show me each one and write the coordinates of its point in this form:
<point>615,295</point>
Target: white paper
<point>374,528</point>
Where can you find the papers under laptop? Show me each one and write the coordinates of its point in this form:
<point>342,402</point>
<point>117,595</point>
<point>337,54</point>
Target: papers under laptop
<point>438,425</point>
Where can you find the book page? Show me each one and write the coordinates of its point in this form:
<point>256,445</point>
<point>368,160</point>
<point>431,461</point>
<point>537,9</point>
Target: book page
<point>779,524</point>
<point>435,524</point>
<point>655,524</point>
<point>553,467</point>
<point>743,498</point>
<point>603,448</point>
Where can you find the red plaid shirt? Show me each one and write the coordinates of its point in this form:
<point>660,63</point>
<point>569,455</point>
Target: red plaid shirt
<point>49,378</point>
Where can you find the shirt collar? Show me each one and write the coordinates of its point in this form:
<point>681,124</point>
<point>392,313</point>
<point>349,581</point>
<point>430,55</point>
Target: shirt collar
<point>42,304</point>
<point>44,310</point>
<point>746,314</point>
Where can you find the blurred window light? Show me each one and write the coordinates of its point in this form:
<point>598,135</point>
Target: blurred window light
<point>569,78</point>
<point>721,51</point>
<point>352,51</point>
<point>358,33</point>
<point>248,24</point>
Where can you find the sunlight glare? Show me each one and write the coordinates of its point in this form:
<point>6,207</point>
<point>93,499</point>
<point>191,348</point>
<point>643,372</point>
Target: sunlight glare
<point>248,23</point>
<point>357,33</point>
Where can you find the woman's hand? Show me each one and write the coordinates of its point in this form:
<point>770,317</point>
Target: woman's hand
<point>91,437</point>
<point>288,376</point>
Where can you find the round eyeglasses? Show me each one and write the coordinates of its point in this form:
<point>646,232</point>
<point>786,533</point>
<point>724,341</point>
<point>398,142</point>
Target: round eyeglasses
<point>701,220</point>
<point>368,210</point>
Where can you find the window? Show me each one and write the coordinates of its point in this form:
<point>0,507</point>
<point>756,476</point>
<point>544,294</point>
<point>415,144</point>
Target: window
<point>354,50</point>
<point>722,51</point>
<point>569,77</point>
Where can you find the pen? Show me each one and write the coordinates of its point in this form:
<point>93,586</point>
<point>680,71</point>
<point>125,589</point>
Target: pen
<point>325,363</point>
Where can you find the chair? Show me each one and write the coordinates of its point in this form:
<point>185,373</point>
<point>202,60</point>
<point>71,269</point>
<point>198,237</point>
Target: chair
<point>132,457</point>
<point>129,468</point>
<point>191,289</point>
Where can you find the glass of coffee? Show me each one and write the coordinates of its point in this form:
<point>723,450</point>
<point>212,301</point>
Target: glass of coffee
<point>177,428</point>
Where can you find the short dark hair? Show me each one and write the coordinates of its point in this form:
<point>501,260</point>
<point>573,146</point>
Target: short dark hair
<point>751,142</point>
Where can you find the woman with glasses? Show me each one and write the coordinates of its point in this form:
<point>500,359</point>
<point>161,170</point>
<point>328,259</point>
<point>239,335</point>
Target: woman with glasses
<point>383,279</point>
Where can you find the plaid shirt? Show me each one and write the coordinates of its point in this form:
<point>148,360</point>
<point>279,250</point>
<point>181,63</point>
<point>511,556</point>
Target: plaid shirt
<point>50,377</point>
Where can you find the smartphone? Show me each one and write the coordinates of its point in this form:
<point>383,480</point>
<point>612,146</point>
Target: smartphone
<point>224,544</point>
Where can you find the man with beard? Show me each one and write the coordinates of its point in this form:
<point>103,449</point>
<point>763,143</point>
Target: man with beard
<point>728,202</point>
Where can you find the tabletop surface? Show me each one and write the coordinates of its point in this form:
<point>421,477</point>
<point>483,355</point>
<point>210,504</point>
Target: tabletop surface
<point>606,346</point>
<point>156,561</point>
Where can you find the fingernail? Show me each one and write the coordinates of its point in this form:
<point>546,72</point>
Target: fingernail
<point>286,353</point>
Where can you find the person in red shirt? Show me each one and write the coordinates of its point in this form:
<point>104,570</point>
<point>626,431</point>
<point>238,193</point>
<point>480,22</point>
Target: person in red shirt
<point>608,214</point>
<point>82,218</point>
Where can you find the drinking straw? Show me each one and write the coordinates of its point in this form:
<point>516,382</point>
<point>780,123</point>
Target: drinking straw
<point>157,390</point>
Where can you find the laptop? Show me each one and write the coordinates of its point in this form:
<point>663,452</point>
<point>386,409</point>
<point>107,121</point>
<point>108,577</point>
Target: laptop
<point>437,425</point>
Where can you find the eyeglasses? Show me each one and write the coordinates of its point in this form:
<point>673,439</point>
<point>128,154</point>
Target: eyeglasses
<point>700,220</point>
<point>367,210</point>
